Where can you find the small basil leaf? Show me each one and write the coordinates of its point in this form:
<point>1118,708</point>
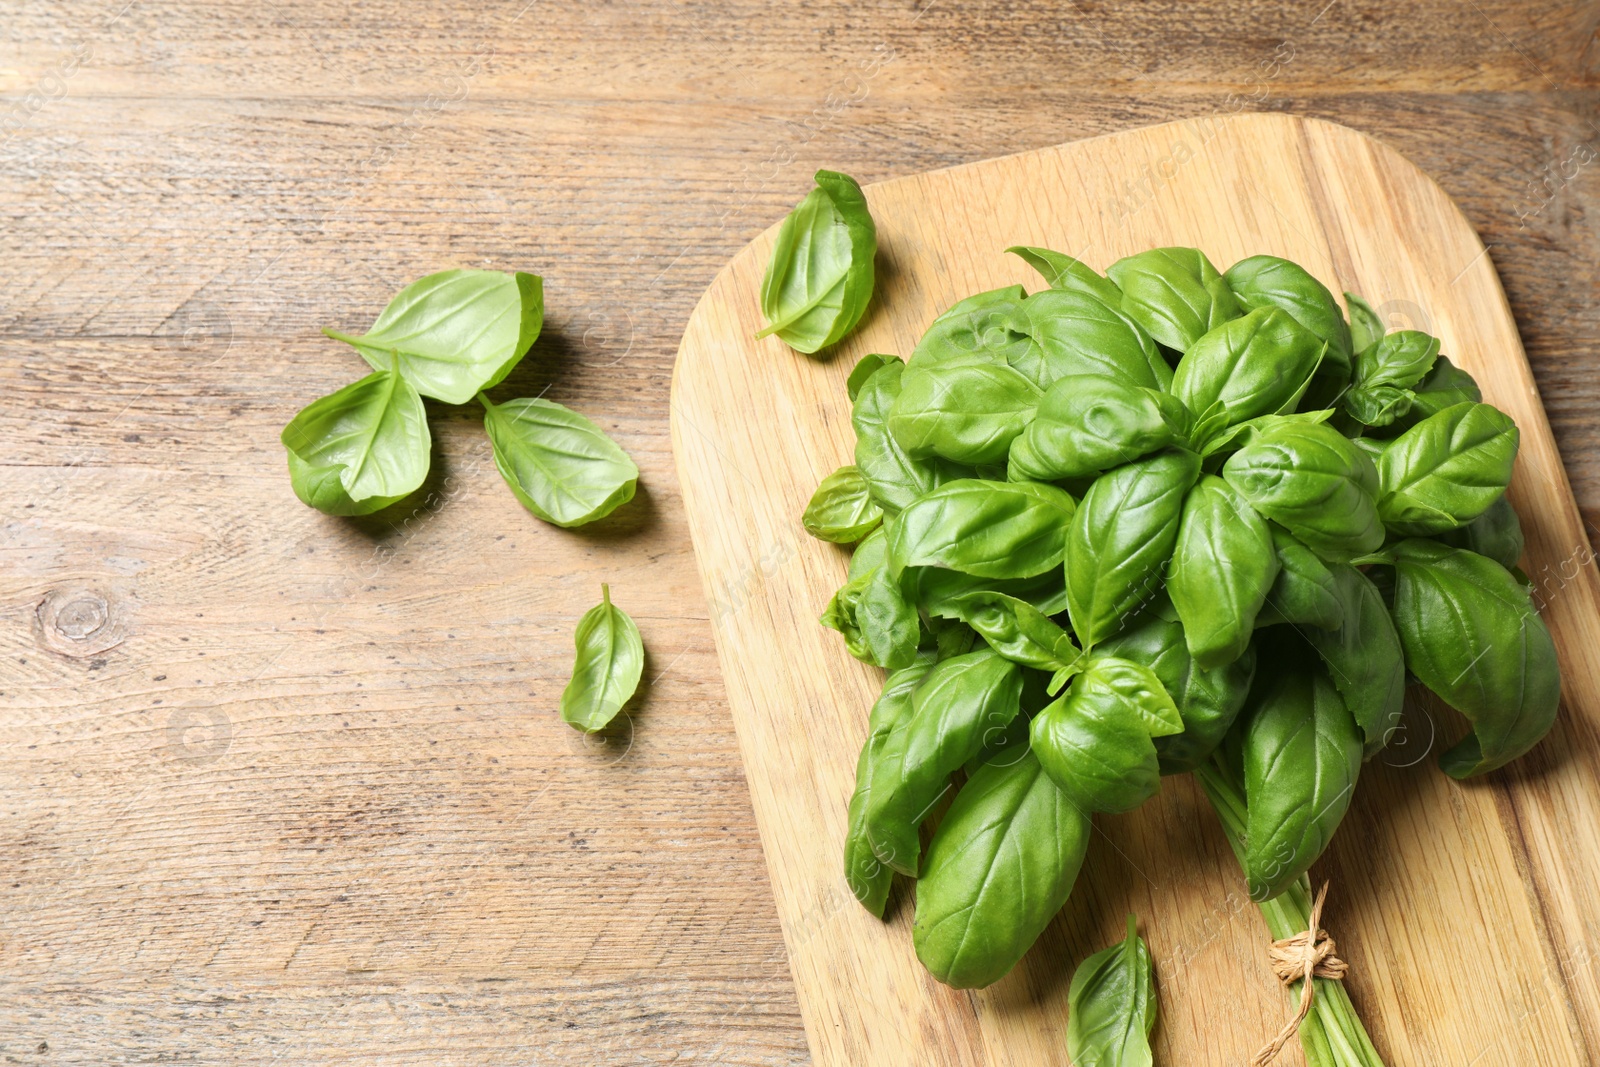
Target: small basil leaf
<point>606,674</point>
<point>1014,628</point>
<point>1446,470</point>
<point>999,868</point>
<point>456,333</point>
<point>842,509</point>
<point>1086,424</point>
<point>869,878</point>
<point>865,368</point>
<point>982,528</point>
<point>820,277</point>
<point>1385,373</point>
<point>988,327</point>
<point>1363,656</point>
<point>964,410</point>
<point>1496,533</point>
<point>1078,334</point>
<point>359,449</point>
<point>1304,593</point>
<point>894,478</point>
<point>1174,293</point>
<point>933,589</point>
<point>1256,365</point>
<point>870,554</point>
<point>1471,635</point>
<point>1112,1006</point>
<point>1061,271</point>
<point>1310,479</point>
<point>1223,566</point>
<point>1267,281</point>
<point>561,466</point>
<point>878,624</point>
<point>1366,328</point>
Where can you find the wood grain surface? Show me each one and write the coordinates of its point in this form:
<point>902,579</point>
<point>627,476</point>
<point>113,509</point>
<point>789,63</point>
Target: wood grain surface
<point>283,789</point>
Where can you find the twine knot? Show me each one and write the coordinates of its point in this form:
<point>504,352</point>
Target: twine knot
<point>1299,959</point>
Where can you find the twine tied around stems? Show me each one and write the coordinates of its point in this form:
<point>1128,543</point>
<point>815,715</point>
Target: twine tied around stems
<point>1299,959</point>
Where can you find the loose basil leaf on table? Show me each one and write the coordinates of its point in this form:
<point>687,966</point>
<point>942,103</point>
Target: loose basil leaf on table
<point>1267,281</point>
<point>842,509</point>
<point>1446,470</point>
<point>953,709</point>
<point>1077,334</point>
<point>878,624</point>
<point>1385,374</point>
<point>1304,593</point>
<point>1366,328</point>
<point>455,333</point>
<point>1310,479</point>
<point>1472,635</point>
<point>1086,424</point>
<point>606,674</point>
<point>1014,628</point>
<point>999,868</point>
<point>1121,537</point>
<point>983,528</point>
<point>819,280</point>
<point>360,449</point>
<point>1497,533</point>
<point>1111,1006</point>
<point>1208,701</point>
<point>1259,364</point>
<point>966,410</point>
<point>869,878</point>
<point>1061,271</point>
<point>1445,386</point>
<point>865,368</point>
<point>561,466</point>
<point>1363,656</point>
<point>893,478</point>
<point>1301,752</point>
<point>1174,293</point>
<point>1095,741</point>
<point>986,326</point>
<point>1223,567</point>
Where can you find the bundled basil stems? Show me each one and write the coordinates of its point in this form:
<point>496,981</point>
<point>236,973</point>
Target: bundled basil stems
<point>1160,520</point>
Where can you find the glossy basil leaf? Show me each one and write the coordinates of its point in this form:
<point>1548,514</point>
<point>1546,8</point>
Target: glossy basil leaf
<point>1207,700</point>
<point>1078,334</point>
<point>1087,424</point>
<point>819,280</point>
<point>606,674</point>
<point>869,878</point>
<point>1302,754</point>
<point>561,466</point>
<point>1497,533</point>
<point>1223,566</point>
<point>894,478</point>
<point>455,333</point>
<point>1385,374</point>
<point>1121,538</point>
<point>878,624</point>
<point>1236,437</point>
<point>1304,593</point>
<point>1175,294</point>
<point>1366,328</point>
<point>870,554</point>
<point>964,410</point>
<point>1014,628</point>
<point>1095,740</point>
<point>1472,635</point>
<point>1446,470</point>
<point>842,509</point>
<point>1112,1006</point>
<point>988,327</point>
<point>1445,386</point>
<point>1267,281</point>
<point>1061,271</point>
<point>999,868</point>
<point>360,449</point>
<point>1310,479</point>
<point>934,589</point>
<point>1257,365</point>
<point>982,528</point>
<point>960,702</point>
<point>1363,656</point>
<point>865,368</point>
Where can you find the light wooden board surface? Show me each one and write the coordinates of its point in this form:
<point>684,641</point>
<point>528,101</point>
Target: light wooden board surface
<point>1466,912</point>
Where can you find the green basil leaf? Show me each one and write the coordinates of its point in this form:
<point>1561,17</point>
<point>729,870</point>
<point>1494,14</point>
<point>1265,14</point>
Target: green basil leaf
<point>1446,470</point>
<point>1385,373</point>
<point>1238,436</point>
<point>869,878</point>
<point>964,410</point>
<point>1267,281</point>
<point>1121,538</point>
<point>1223,567</point>
<point>1310,479</point>
<point>359,449</point>
<point>1445,386</point>
<point>1014,628</point>
<point>819,280</point>
<point>988,327</point>
<point>1086,424</point>
<point>999,868</point>
<point>1112,1006</point>
<point>1095,742</point>
<point>1257,365</point>
<point>958,704</point>
<point>561,466</point>
<point>1497,533</point>
<point>878,623</point>
<point>1472,635</point>
<point>1175,294</point>
<point>1078,335</point>
<point>456,333</point>
<point>1061,271</point>
<point>1304,593</point>
<point>894,478</point>
<point>983,528</point>
<point>842,509</point>
<point>870,554</point>
<point>1366,328</point>
<point>865,367</point>
<point>934,589</point>
<point>606,674</point>
<point>1363,656</point>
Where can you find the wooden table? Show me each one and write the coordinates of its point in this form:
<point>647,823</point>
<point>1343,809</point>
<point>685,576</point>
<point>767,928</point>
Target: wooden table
<point>277,788</point>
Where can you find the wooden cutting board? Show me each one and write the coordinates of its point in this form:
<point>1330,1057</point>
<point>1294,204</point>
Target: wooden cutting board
<point>1470,914</point>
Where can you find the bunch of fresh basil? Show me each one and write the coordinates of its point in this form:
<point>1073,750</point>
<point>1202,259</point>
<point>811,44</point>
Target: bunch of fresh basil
<point>1141,523</point>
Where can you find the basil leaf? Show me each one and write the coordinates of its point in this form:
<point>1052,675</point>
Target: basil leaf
<point>894,478</point>
<point>1078,334</point>
<point>999,868</point>
<point>1445,386</point>
<point>1121,538</point>
<point>1014,628</point>
<point>1310,479</point>
<point>561,466</point>
<point>967,410</point>
<point>1363,656</point>
<point>869,878</point>
<point>842,509</point>
<point>1471,635</point>
<point>820,277</point>
<point>1175,294</point>
<point>986,327</point>
<point>983,528</point>
<point>1366,328</point>
<point>1267,281</point>
<point>1236,437</point>
<point>1086,424</point>
<point>935,589</point>
<point>606,674</point>
<point>865,368</point>
<point>1112,1006</point>
<point>878,623</point>
<point>360,449</point>
<point>1304,593</point>
<point>455,333</point>
<point>1061,271</point>
<point>1497,533</point>
<point>1223,566</point>
<point>1447,469</point>
<point>1257,365</point>
<point>1385,373</point>
<point>1095,742</point>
